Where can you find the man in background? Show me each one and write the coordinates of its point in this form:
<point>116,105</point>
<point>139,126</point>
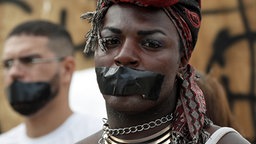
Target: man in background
<point>38,64</point>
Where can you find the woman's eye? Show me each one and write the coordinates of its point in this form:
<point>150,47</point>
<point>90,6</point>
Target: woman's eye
<point>110,42</point>
<point>151,44</point>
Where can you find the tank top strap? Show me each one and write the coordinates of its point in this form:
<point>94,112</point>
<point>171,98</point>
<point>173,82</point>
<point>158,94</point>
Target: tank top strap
<point>218,134</point>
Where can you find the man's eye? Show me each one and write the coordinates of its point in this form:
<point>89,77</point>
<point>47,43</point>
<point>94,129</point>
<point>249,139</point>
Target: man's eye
<point>109,43</point>
<point>151,44</point>
<point>27,60</point>
<point>7,63</point>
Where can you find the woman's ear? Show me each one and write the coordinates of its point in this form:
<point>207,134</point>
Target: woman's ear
<point>183,63</point>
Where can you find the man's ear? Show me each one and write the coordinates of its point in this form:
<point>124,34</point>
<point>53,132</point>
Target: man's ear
<point>69,68</point>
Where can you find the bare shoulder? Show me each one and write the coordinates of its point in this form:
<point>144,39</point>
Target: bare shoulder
<point>229,138</point>
<point>93,139</point>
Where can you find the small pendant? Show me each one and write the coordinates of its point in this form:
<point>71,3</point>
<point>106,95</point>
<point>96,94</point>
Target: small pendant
<point>103,139</point>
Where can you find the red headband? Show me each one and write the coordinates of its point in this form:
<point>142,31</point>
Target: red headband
<point>154,3</point>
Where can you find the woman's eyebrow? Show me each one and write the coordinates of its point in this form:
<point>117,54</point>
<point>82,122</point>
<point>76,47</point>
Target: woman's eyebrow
<point>112,29</point>
<point>150,32</point>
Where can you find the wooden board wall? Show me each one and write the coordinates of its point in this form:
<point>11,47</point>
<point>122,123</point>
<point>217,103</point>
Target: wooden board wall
<point>226,47</point>
<point>227,50</point>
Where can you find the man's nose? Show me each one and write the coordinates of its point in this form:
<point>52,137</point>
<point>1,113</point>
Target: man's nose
<point>128,55</point>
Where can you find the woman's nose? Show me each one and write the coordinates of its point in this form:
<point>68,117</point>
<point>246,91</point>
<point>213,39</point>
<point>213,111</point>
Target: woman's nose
<point>127,56</point>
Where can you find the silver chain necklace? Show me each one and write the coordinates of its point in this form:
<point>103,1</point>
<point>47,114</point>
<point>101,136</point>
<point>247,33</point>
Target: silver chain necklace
<point>137,128</point>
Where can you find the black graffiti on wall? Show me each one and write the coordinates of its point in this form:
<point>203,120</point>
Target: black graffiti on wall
<point>19,3</point>
<point>222,42</point>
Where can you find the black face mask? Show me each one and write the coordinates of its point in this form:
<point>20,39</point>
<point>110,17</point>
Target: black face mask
<point>124,81</point>
<point>28,98</point>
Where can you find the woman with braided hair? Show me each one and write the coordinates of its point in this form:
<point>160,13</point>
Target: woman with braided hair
<point>142,50</point>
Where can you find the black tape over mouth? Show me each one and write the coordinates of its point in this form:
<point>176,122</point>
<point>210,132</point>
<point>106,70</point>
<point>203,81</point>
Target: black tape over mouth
<point>28,97</point>
<point>125,81</point>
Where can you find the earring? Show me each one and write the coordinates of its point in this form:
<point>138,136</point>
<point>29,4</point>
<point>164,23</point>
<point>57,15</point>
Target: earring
<point>180,76</point>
